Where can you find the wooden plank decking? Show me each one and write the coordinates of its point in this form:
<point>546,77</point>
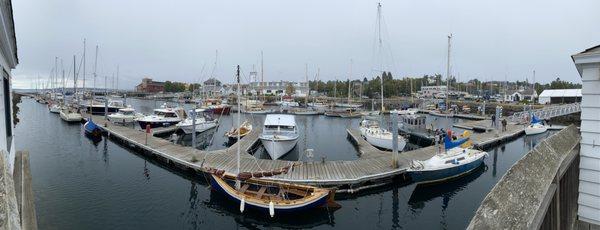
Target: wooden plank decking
<point>373,167</point>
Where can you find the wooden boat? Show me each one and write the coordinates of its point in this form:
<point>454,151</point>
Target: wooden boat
<point>246,188</point>
<point>244,130</point>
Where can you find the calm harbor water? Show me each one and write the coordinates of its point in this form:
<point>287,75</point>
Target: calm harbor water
<point>82,185</point>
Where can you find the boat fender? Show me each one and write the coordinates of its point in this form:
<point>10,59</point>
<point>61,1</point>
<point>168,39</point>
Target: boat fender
<point>242,205</point>
<point>271,209</point>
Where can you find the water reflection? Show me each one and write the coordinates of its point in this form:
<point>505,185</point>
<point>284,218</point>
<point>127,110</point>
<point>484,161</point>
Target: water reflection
<point>256,220</point>
<point>422,194</point>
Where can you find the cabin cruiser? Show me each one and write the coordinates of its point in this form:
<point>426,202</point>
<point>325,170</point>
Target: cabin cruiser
<point>98,107</point>
<point>458,159</point>
<point>70,114</point>
<point>409,111</point>
<point>535,127</point>
<point>203,123</point>
<point>280,134</point>
<point>124,115</point>
<point>379,137</point>
<point>305,111</point>
<point>162,117</point>
<point>54,108</point>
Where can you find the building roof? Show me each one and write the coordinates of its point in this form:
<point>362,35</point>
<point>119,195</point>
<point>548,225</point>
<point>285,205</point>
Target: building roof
<point>561,93</point>
<point>280,119</point>
<point>589,55</point>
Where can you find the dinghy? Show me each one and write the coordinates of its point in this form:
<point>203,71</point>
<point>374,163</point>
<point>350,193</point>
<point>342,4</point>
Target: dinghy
<point>244,130</point>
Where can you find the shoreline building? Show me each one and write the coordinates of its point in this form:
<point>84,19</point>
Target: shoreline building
<point>521,94</point>
<point>150,86</point>
<point>560,96</point>
<point>588,66</point>
<point>434,91</point>
<point>278,88</point>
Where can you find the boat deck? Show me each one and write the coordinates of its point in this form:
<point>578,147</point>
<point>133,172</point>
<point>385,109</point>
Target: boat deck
<point>372,168</point>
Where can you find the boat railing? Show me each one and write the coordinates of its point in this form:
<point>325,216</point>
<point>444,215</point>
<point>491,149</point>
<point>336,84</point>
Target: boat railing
<point>540,191</point>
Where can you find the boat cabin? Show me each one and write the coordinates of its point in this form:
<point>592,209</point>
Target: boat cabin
<point>279,123</point>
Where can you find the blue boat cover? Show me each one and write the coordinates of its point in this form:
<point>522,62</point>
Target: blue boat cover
<point>90,126</point>
<point>535,120</point>
<point>449,143</point>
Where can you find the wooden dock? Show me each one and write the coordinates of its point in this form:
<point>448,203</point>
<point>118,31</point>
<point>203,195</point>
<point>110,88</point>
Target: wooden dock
<point>373,167</point>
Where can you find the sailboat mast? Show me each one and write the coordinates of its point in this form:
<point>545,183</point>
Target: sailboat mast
<point>262,74</point>
<point>349,77</point>
<point>238,125</point>
<point>307,85</point>
<point>380,47</point>
<point>83,67</point>
<point>95,66</point>
<point>74,79</point>
<point>448,73</point>
<point>117,83</point>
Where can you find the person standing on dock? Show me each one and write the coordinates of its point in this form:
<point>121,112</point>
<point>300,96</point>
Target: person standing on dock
<point>493,120</point>
<point>504,123</point>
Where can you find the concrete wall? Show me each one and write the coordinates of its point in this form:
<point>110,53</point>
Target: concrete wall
<point>588,66</point>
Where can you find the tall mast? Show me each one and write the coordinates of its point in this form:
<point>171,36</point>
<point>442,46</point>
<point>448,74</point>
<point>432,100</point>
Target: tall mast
<point>55,72</point>
<point>83,66</point>
<point>95,66</point>
<point>262,74</point>
<point>448,73</point>
<point>307,85</point>
<point>380,47</point>
<point>349,77</point>
<point>237,182</point>
<point>74,79</point>
<point>117,79</point>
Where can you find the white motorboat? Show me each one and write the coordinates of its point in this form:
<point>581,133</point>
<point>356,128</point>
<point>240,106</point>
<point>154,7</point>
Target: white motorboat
<point>409,111</point>
<point>280,134</point>
<point>162,117</point>
<point>98,107</point>
<point>535,127</point>
<point>54,108</point>
<point>203,123</point>
<point>371,113</point>
<point>379,137</point>
<point>70,115</point>
<point>125,115</point>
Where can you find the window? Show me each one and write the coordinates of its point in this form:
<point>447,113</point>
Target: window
<point>7,108</point>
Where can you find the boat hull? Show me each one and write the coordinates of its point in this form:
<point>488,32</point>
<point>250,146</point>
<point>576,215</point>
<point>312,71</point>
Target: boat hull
<point>438,175</point>
<point>220,110</point>
<point>533,130</point>
<point>220,187</point>
<point>157,124</point>
<point>70,117</point>
<point>278,148</point>
<point>384,143</point>
<point>200,127</point>
<point>97,110</point>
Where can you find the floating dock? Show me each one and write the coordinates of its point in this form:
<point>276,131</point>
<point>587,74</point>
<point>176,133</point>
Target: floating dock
<point>373,168</point>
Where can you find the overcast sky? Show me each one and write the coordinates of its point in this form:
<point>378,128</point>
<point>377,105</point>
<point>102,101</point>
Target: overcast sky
<point>177,39</point>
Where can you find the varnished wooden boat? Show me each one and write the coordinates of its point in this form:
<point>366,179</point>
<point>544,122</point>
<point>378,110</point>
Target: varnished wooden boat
<point>269,196</point>
<point>244,130</point>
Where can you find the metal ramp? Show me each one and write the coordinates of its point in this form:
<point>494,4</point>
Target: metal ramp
<point>546,112</point>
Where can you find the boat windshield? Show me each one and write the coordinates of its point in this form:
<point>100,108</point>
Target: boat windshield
<point>283,128</point>
<point>165,114</point>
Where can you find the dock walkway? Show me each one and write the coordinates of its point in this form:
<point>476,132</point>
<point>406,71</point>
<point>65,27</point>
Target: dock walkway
<point>372,168</point>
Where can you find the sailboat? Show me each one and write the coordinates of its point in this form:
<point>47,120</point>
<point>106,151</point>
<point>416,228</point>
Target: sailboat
<point>306,110</point>
<point>536,126</point>
<point>247,189</point>
<point>72,113</point>
<point>458,159</point>
<point>379,137</point>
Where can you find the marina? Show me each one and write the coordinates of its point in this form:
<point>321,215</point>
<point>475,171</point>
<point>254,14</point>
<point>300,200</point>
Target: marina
<point>254,115</point>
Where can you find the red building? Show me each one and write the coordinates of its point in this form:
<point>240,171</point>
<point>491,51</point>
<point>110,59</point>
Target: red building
<point>150,86</point>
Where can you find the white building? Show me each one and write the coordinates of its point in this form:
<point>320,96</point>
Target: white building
<point>588,66</point>
<point>520,95</point>
<point>8,61</point>
<point>432,91</point>
<point>278,88</point>
<point>559,96</point>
